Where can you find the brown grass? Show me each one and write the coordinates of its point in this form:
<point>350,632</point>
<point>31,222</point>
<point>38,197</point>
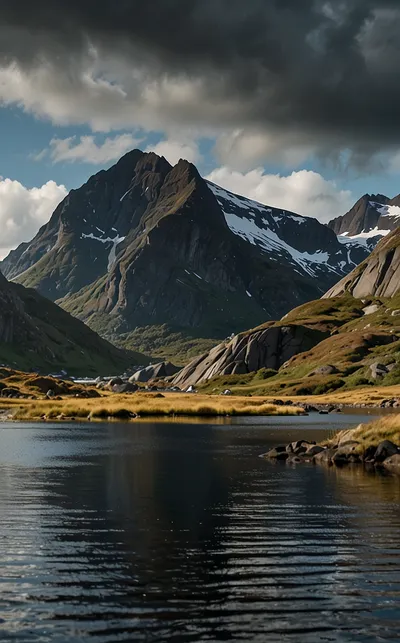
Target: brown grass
<point>386,428</point>
<point>142,404</point>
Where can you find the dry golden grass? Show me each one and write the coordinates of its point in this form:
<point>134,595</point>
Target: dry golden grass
<point>144,405</point>
<point>386,428</point>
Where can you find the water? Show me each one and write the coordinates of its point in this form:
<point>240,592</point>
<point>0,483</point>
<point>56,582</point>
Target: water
<point>177,532</point>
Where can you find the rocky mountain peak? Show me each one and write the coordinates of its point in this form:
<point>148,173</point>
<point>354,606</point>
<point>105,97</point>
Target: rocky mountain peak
<point>373,216</point>
<point>144,243</point>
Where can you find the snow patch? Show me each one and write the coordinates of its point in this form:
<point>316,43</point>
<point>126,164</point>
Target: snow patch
<point>249,294</point>
<point>115,242</point>
<point>362,238</point>
<point>126,194</point>
<point>269,241</point>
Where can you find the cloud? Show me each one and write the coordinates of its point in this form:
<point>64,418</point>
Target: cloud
<point>174,150</point>
<point>304,192</point>
<point>87,150</point>
<point>320,74</point>
<point>24,210</point>
<point>244,148</point>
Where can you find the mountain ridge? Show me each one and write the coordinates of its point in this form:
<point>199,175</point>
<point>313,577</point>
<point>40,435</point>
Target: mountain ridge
<point>146,244</point>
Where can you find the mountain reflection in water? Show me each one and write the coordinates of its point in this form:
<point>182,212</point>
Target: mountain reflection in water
<point>176,532</point>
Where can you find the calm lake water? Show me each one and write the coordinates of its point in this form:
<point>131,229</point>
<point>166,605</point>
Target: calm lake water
<point>179,532</point>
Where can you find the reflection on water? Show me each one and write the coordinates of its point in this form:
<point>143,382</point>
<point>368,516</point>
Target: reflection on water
<point>173,532</point>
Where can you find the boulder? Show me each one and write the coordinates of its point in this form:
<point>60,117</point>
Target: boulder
<point>50,394</point>
<point>385,449</point>
<point>115,381</point>
<point>370,310</point>
<point>392,464</point>
<point>378,370</point>
<point>126,387</point>
<point>227,392</point>
<point>155,371</point>
<point>314,450</point>
<point>299,447</point>
<point>346,454</point>
<point>277,453</point>
<point>325,456</point>
<point>369,454</point>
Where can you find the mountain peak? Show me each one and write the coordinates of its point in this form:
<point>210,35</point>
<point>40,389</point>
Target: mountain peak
<point>363,217</point>
<point>145,243</point>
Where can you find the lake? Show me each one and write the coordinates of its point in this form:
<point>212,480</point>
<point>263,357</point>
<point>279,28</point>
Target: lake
<point>180,532</point>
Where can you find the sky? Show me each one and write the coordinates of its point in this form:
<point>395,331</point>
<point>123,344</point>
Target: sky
<point>294,103</point>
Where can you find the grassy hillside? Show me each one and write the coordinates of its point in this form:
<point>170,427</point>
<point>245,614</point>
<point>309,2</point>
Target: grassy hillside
<point>63,342</point>
<point>356,341</point>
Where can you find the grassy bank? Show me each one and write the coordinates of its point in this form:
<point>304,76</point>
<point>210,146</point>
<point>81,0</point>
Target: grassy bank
<point>386,428</point>
<point>144,405</point>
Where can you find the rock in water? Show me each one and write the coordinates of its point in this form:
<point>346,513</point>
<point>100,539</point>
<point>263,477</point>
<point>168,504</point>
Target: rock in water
<point>385,450</point>
<point>393,463</point>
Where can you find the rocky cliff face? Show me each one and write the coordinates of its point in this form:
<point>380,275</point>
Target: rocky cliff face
<point>146,244</point>
<point>378,276</point>
<point>268,347</point>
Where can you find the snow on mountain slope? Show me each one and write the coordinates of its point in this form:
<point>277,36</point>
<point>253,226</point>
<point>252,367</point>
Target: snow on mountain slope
<point>301,241</point>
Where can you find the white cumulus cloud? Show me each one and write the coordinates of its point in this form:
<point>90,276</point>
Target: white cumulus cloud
<point>174,150</point>
<point>304,192</point>
<point>86,150</point>
<point>24,210</point>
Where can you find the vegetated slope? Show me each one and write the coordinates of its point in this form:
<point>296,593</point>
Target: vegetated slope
<point>36,334</point>
<point>153,256</point>
<point>345,337</point>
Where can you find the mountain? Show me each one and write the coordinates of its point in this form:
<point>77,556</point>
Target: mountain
<point>36,334</point>
<point>145,250</point>
<point>378,275</point>
<point>350,337</point>
<point>370,219</point>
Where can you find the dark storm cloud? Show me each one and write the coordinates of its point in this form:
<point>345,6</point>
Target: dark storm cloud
<point>329,69</point>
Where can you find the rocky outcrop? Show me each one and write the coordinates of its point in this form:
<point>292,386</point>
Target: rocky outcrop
<point>364,216</point>
<point>377,276</point>
<point>386,455</point>
<point>154,371</point>
<point>268,347</point>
